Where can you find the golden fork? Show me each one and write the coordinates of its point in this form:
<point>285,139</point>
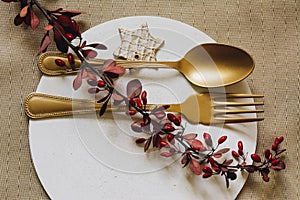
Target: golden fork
<point>198,108</point>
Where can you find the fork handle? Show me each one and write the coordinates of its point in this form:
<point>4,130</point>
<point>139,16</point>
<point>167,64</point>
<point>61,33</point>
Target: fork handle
<point>41,106</point>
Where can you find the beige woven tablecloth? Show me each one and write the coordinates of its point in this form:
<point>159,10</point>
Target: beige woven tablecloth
<point>267,29</point>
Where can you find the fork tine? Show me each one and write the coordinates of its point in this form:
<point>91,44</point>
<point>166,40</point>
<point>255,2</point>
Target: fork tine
<point>238,120</point>
<point>232,95</point>
<point>219,112</point>
<point>218,103</point>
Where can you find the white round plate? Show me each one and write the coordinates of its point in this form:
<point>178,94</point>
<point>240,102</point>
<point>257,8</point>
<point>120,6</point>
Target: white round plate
<point>90,158</point>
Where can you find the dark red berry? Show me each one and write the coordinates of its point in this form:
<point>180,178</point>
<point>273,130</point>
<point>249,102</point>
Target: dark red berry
<point>240,145</point>
<point>255,158</point>
<point>206,175</point>
<point>163,144</point>
<point>207,169</point>
<point>275,162</point>
<point>267,153</point>
<point>278,140</point>
<point>241,152</point>
<point>69,36</point>
<point>131,112</point>
<point>144,97</point>
<point>71,58</point>
<point>270,156</point>
<point>60,62</point>
<point>168,127</point>
<point>179,119</point>
<point>138,102</point>
<point>222,139</point>
<point>171,117</point>
<point>170,137</point>
<point>101,83</point>
<point>274,147</point>
<point>235,154</point>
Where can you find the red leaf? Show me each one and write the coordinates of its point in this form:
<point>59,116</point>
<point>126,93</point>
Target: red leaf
<point>136,128</point>
<point>157,140</point>
<point>134,88</point>
<point>228,162</point>
<point>279,166</point>
<point>219,155</point>
<point>197,145</point>
<point>27,18</point>
<point>60,43</point>
<point>159,114</point>
<point>77,82</point>
<point>48,27</point>
<point>185,160</point>
<point>147,144</point>
<point>91,76</point>
<point>83,44</point>
<point>195,167</point>
<point>24,11</point>
<point>190,136</point>
<point>46,41</point>
<point>34,20</point>
<point>222,151</point>
<point>110,66</point>
<point>8,1</point>
<point>166,154</point>
<point>64,21</point>
<point>97,46</point>
<point>103,98</point>
<point>18,20</point>
<point>69,13</point>
<point>207,139</point>
<point>83,73</point>
<point>140,140</point>
<point>117,97</point>
<point>103,108</point>
<point>89,53</point>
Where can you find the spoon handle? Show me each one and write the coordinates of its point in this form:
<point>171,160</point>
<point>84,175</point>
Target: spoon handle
<point>48,66</point>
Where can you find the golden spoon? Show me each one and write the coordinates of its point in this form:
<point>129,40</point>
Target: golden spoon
<point>206,65</point>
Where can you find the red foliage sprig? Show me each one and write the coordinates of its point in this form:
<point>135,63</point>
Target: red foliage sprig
<point>61,22</point>
<point>65,31</point>
<point>165,132</point>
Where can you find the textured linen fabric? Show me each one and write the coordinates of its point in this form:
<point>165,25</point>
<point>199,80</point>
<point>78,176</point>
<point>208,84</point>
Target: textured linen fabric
<point>267,29</point>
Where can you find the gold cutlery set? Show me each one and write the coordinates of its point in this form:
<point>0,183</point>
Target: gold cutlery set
<point>207,65</point>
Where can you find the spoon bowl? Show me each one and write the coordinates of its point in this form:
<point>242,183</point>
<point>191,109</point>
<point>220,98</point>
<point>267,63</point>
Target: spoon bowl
<point>206,65</point>
<point>216,65</point>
